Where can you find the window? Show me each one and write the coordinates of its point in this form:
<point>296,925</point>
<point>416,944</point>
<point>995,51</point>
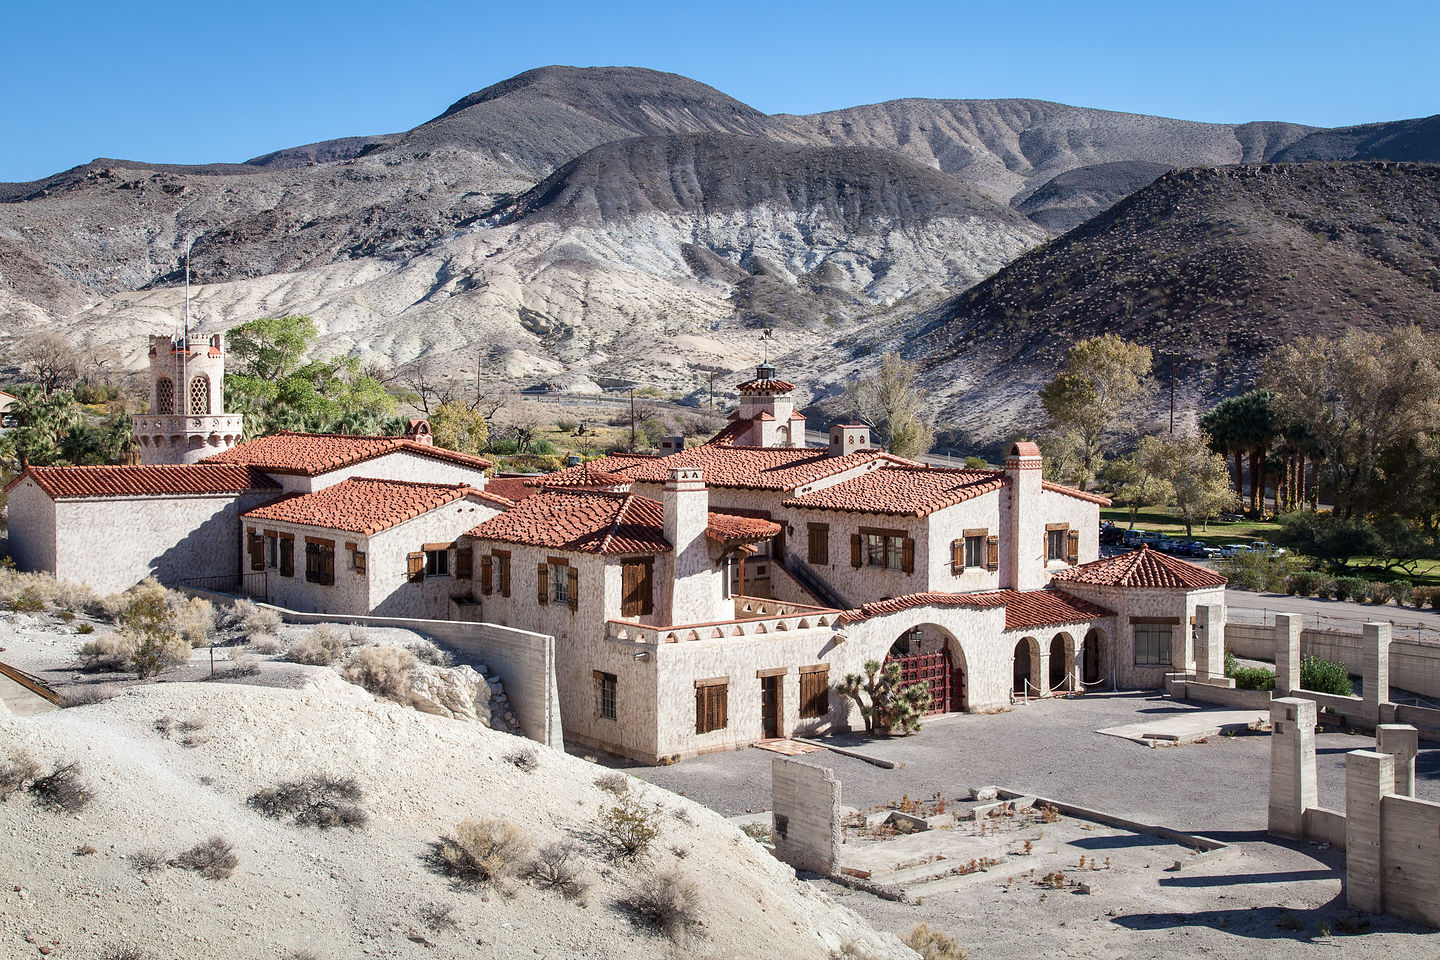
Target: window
<point>164,395</point>
<point>560,581</point>
<point>1055,543</point>
<point>502,571</point>
<point>887,549</point>
<point>814,693</point>
<point>605,684</point>
<point>320,561</point>
<point>358,558</point>
<point>636,588</point>
<point>819,543</point>
<point>974,551</point>
<point>969,552</point>
<point>200,395</point>
<point>437,563</point>
<point>287,556</point>
<point>712,705</point>
<point>272,550</point>
<point>1152,642</point>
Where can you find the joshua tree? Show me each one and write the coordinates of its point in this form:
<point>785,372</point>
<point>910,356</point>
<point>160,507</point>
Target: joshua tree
<point>890,705</point>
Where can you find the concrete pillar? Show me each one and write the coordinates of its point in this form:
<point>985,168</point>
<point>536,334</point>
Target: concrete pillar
<point>1369,776</point>
<point>805,811</point>
<point>1292,765</point>
<point>1401,741</point>
<point>1375,667</point>
<point>1023,564</point>
<point>1042,682</point>
<point>1209,642</point>
<point>1287,653</point>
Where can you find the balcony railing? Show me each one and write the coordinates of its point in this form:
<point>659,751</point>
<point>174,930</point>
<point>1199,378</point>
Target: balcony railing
<point>754,616</point>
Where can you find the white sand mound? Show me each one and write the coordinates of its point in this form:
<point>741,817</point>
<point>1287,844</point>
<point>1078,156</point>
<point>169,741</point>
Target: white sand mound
<point>342,893</point>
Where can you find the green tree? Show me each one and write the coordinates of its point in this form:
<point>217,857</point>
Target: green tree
<point>43,420</point>
<point>455,427</point>
<point>1198,479</point>
<point>270,348</point>
<point>1132,486</point>
<point>1103,379</point>
<point>890,403</point>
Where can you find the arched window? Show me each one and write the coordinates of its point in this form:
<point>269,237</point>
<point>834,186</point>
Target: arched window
<point>164,396</point>
<point>200,395</point>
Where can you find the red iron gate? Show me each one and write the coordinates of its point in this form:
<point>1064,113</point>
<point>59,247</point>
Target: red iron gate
<point>946,683</point>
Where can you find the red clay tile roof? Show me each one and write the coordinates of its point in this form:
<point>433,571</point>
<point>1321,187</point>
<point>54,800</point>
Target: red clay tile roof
<point>309,454</point>
<point>1077,494</point>
<point>911,491</point>
<point>766,386</point>
<point>1023,609</point>
<point>1143,568</point>
<point>588,521</point>
<point>578,478</point>
<point>512,488</point>
<point>730,431</point>
<point>180,479</point>
<point>1025,448</point>
<point>737,528</point>
<point>366,506</point>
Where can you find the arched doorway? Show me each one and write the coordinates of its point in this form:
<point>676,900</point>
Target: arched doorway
<point>1062,662</point>
<point>1090,658</point>
<point>1027,666</point>
<point>931,655</point>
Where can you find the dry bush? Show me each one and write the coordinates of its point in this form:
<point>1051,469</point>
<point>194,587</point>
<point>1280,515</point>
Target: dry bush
<point>318,800</point>
<point>194,619</point>
<point>616,783</point>
<point>265,644</point>
<point>384,671</point>
<point>629,827</point>
<point>214,859</point>
<point>84,694</point>
<point>61,790</point>
<point>524,759</point>
<point>320,648</point>
<point>555,867</point>
<point>427,652</point>
<point>933,944</point>
<point>86,850</point>
<point>480,852</point>
<point>357,636</point>
<point>668,904</point>
<point>108,651</point>
<point>252,619</point>
<point>15,772</point>
<point>147,642</point>
<point>123,951</point>
<point>438,916</point>
<point>148,860</point>
<point>241,667</point>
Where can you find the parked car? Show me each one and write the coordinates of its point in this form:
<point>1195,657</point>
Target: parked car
<point>1133,538</point>
<point>1267,548</point>
<point>1233,549</point>
<point>1165,545</point>
<point>1210,553</point>
<point>1112,535</point>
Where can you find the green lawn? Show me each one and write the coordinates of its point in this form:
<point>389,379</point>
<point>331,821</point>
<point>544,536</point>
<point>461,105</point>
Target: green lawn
<point>1218,534</point>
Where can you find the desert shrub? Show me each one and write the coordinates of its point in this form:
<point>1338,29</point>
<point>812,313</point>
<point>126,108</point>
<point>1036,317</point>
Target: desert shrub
<point>84,694</point>
<point>319,648</point>
<point>480,852</point>
<point>1379,592</point>
<point>616,783</point>
<point>759,832</point>
<point>1325,676</point>
<point>109,651</point>
<point>357,636</point>
<point>556,867</point>
<point>148,860</point>
<point>62,790</point>
<point>15,771</point>
<point>1350,588</point>
<point>524,759</point>
<point>85,629</point>
<point>318,800</point>
<point>123,951</point>
<point>384,671</point>
<point>668,904</point>
<point>25,602</point>
<point>438,916</point>
<point>265,644</point>
<point>1426,596</point>
<point>427,652</point>
<point>147,642</point>
<point>241,667</point>
<point>933,944</point>
<point>566,425</point>
<point>629,827</point>
<point>214,859</point>
<point>72,596</point>
<point>1263,573</point>
<point>187,731</point>
<point>252,619</point>
<point>65,616</point>
<point>1402,593</point>
<point>1248,678</point>
<point>1303,584</point>
<point>194,619</point>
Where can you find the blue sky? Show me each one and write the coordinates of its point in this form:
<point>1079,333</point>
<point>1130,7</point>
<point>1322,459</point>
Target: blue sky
<point>204,82</point>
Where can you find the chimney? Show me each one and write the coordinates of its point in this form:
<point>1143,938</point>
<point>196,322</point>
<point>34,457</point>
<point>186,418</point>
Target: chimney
<point>695,587</point>
<point>669,445</point>
<point>1023,557</point>
<point>847,438</point>
<point>419,431</point>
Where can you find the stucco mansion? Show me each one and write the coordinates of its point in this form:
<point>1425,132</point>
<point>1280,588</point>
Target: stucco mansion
<point>699,599</point>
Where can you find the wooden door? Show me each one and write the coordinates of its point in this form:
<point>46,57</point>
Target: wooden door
<point>770,707</point>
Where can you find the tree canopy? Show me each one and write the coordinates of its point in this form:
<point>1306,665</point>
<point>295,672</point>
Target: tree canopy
<point>1087,402</point>
<point>1198,479</point>
<point>891,403</point>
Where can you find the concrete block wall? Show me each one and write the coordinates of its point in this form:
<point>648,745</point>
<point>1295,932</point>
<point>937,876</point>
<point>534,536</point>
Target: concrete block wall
<point>1293,787</point>
<point>1414,666</point>
<point>805,805</point>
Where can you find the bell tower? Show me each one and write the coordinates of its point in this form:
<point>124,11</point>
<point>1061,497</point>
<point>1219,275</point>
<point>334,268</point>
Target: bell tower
<point>187,393</point>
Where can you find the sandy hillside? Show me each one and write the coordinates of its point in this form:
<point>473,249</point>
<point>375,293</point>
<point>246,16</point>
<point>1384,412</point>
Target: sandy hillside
<point>340,893</point>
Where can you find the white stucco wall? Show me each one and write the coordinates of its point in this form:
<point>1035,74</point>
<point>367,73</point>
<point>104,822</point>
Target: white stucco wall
<point>1132,602</point>
<point>401,465</point>
<point>32,527</point>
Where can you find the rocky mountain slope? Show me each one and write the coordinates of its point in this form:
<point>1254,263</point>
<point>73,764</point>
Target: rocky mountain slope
<point>584,226</point>
<point>1218,265</point>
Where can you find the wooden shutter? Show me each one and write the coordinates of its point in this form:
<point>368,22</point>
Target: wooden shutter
<point>415,566</point>
<point>629,595</point>
<point>992,553</point>
<point>856,552</point>
<point>257,552</point>
<point>287,557</point>
<point>814,694</point>
<point>647,587</point>
<point>503,558</point>
<point>327,566</point>
<point>1073,547</point>
<point>711,706</point>
<point>907,555</point>
<point>819,543</point>
<point>542,584</point>
<point>957,557</point>
<point>487,574</point>
<point>572,585</point>
<point>464,563</point>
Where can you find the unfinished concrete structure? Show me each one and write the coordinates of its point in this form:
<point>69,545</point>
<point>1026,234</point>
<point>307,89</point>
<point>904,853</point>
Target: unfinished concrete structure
<point>805,819</point>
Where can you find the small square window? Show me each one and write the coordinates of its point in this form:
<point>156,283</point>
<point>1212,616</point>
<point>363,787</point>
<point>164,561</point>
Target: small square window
<point>437,563</point>
<point>1055,544</point>
<point>560,582</point>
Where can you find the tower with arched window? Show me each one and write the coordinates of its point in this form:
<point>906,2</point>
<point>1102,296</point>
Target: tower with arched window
<point>187,394</point>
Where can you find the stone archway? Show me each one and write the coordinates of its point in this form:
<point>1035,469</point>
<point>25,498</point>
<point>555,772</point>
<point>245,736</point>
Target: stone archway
<point>1092,669</point>
<point>1027,667</point>
<point>930,654</point>
<point>1062,662</point>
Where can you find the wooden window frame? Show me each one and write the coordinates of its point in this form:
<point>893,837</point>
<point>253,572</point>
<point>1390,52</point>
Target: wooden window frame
<point>815,701</point>
<point>607,695</point>
<point>1162,656</point>
<point>635,601</point>
<point>712,705</point>
<point>1051,529</point>
<point>818,544</point>
<point>321,573</point>
<point>437,561</point>
<point>905,560</point>
<point>960,559</point>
